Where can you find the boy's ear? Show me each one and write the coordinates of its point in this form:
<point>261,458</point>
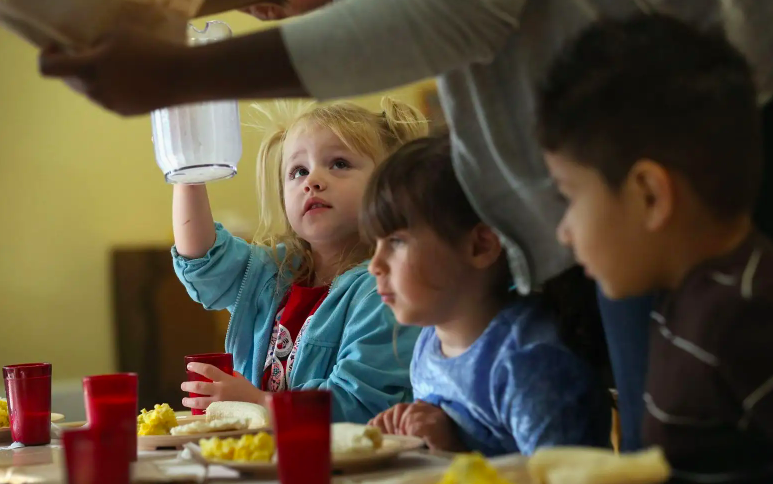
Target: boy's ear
<point>485,247</point>
<point>652,187</point>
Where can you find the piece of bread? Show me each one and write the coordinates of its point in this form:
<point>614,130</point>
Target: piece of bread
<point>257,415</point>
<point>579,465</point>
<point>220,425</point>
<point>348,438</point>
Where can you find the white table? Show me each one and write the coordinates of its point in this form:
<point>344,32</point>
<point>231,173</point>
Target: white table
<point>46,464</point>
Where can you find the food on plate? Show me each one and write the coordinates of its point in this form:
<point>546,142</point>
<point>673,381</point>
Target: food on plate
<point>348,438</point>
<point>256,414</point>
<point>248,448</point>
<point>162,421</point>
<point>579,465</point>
<point>345,439</point>
<point>4,422</point>
<point>471,469</point>
<point>158,421</point>
<point>202,427</point>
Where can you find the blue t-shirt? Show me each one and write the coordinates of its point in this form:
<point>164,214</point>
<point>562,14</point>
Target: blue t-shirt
<point>516,388</point>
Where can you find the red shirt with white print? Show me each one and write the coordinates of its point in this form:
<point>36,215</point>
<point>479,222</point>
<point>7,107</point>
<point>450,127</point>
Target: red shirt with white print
<point>293,315</point>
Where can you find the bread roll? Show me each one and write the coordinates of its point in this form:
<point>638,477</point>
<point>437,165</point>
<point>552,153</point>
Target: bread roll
<point>256,414</point>
<point>348,438</point>
<point>578,465</point>
<point>220,425</point>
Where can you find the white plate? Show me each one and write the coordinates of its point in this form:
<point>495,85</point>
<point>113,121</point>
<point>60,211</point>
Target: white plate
<point>153,442</point>
<point>5,432</point>
<point>392,447</point>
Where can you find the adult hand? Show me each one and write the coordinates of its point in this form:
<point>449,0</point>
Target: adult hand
<point>130,72</point>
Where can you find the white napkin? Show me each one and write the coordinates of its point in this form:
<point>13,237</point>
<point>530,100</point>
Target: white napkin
<point>142,471</point>
<point>55,443</point>
<point>56,435</point>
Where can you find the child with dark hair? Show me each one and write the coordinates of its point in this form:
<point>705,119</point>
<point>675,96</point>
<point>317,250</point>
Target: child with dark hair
<point>660,161</point>
<point>489,371</point>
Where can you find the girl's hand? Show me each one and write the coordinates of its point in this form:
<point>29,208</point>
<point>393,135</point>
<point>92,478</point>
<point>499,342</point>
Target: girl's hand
<point>433,425</point>
<point>389,420</point>
<point>224,387</point>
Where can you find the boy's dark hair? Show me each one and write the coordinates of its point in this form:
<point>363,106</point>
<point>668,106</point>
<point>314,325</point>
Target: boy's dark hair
<point>652,87</point>
<point>417,186</point>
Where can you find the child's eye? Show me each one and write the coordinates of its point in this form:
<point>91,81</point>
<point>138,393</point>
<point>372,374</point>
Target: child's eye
<point>395,241</point>
<point>298,171</point>
<point>561,196</point>
<point>341,164</point>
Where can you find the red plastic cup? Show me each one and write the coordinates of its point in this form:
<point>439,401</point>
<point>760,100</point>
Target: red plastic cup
<point>93,456</point>
<point>28,388</point>
<point>111,406</point>
<point>302,432</point>
<point>224,361</point>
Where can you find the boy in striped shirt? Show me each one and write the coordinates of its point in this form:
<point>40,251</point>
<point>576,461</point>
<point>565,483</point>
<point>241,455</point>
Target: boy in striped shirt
<point>651,131</point>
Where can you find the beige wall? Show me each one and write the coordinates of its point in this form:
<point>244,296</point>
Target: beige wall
<point>74,182</point>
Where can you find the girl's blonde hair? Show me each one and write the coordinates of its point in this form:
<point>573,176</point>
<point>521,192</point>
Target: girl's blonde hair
<point>375,135</point>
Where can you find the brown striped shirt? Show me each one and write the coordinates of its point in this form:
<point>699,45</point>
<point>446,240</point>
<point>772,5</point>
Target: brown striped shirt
<point>710,383</point>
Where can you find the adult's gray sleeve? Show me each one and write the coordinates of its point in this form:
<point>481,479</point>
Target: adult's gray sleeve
<point>355,47</point>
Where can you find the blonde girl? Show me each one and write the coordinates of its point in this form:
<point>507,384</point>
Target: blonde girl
<point>305,313</point>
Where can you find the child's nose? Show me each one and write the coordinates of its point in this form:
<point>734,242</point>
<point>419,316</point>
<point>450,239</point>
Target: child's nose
<point>314,182</point>
<point>376,264</point>
<point>373,267</point>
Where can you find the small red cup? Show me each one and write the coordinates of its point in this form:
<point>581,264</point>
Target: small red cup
<point>224,361</point>
<point>28,388</point>
<point>302,432</point>
<point>93,456</point>
<point>111,406</point>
